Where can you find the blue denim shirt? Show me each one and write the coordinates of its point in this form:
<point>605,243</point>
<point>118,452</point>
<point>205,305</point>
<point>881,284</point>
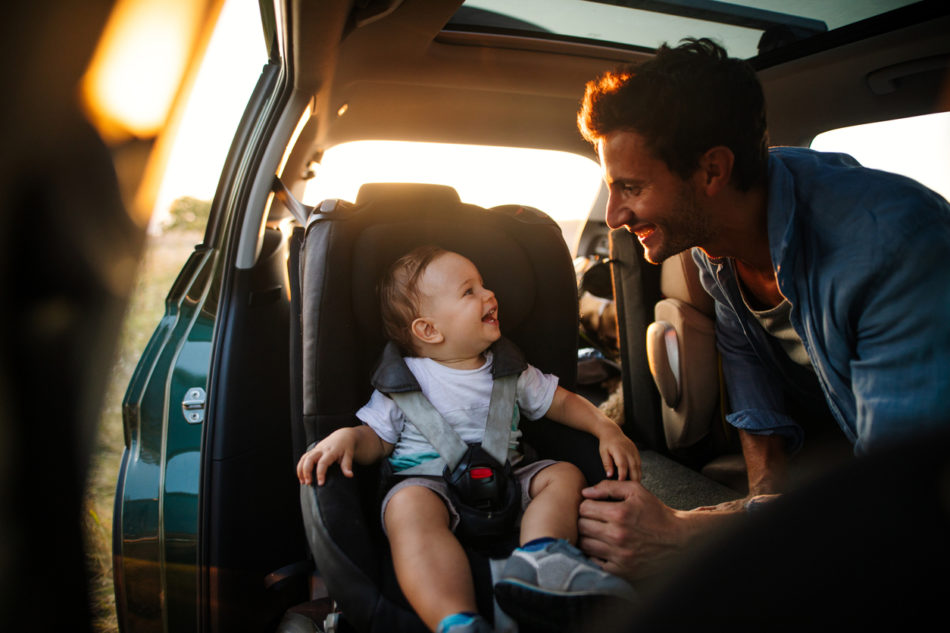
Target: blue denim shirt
<point>862,256</point>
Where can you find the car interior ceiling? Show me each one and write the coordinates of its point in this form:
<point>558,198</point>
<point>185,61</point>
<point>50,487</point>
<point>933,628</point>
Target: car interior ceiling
<point>478,94</point>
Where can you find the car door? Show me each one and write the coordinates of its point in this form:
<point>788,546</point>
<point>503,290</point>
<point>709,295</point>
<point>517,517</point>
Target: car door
<point>166,409</point>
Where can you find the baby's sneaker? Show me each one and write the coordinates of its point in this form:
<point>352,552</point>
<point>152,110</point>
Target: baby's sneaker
<point>464,623</point>
<point>552,584</point>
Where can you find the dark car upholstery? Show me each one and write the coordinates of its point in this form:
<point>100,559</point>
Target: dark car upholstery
<point>522,258</point>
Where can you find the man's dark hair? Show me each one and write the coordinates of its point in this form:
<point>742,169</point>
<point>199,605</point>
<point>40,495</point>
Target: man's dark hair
<point>684,101</point>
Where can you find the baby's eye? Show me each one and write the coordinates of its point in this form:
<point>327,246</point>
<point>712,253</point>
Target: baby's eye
<point>468,291</point>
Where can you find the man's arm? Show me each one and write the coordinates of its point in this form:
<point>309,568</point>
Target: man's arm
<point>756,399</point>
<point>766,462</point>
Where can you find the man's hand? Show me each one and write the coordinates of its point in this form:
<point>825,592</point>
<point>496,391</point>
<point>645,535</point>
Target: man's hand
<point>627,529</point>
<point>632,533</point>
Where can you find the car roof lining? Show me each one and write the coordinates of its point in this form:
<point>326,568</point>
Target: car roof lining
<point>497,89</point>
<point>402,77</point>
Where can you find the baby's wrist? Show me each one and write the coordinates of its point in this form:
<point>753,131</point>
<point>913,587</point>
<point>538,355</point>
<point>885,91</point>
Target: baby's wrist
<point>606,430</point>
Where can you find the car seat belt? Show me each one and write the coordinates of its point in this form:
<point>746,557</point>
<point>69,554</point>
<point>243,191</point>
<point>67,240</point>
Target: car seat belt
<point>299,210</point>
<point>445,440</point>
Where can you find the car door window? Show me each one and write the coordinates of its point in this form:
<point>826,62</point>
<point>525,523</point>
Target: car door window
<point>225,80</point>
<point>917,147</point>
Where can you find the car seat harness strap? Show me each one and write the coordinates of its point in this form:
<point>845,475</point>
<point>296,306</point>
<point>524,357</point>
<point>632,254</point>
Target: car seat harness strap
<point>443,438</point>
<point>479,476</point>
<point>440,434</point>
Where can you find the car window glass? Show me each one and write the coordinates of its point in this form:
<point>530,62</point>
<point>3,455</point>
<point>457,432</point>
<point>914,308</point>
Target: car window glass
<point>561,184</point>
<point>744,27</point>
<point>918,147</point>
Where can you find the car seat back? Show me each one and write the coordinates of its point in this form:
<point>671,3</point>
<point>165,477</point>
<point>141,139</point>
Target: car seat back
<point>681,351</point>
<point>636,287</point>
<point>346,248</point>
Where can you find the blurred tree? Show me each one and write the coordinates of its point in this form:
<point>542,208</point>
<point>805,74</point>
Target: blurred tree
<point>188,213</point>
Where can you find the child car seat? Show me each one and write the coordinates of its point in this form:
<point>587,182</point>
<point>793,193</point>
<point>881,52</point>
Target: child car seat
<point>346,247</point>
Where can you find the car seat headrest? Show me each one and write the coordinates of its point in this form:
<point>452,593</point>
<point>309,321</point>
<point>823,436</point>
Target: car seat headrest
<point>679,279</point>
<point>424,195</point>
<point>423,214</point>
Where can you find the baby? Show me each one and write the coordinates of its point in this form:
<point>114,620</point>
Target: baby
<point>437,310</point>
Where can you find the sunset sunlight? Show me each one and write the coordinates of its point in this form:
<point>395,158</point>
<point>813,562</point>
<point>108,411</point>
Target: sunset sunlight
<point>561,184</point>
<point>138,65</point>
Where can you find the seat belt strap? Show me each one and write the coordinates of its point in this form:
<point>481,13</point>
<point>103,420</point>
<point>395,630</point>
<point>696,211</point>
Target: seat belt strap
<point>500,413</point>
<point>445,440</point>
<point>439,433</point>
<point>299,210</point>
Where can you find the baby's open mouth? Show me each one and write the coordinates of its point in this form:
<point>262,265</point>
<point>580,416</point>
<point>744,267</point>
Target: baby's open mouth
<point>490,316</point>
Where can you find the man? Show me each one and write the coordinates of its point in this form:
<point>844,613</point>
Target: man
<point>827,278</point>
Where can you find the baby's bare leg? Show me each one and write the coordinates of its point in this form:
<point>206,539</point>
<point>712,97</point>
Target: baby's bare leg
<point>555,497</point>
<point>431,566</point>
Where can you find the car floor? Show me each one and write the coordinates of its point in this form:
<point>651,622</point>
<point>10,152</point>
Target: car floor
<point>680,487</point>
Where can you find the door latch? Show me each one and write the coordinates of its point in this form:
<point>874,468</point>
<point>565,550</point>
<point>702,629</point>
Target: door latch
<point>193,405</point>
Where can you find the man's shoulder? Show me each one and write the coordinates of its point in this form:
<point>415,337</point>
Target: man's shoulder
<point>838,198</point>
<point>839,178</point>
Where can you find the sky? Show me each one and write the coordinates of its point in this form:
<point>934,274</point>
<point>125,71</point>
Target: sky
<point>919,147</point>
<point>236,54</point>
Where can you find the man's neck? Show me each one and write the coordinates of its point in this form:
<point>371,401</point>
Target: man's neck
<point>741,228</point>
<point>744,237</point>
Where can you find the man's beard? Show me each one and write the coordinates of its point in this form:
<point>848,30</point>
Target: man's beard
<point>686,226</point>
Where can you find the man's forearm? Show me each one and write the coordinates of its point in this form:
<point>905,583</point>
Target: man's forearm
<point>766,462</point>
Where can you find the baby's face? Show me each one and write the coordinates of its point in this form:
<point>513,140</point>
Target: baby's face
<point>461,307</point>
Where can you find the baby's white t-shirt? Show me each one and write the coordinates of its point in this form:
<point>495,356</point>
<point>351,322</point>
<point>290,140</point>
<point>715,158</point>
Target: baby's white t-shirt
<point>462,397</point>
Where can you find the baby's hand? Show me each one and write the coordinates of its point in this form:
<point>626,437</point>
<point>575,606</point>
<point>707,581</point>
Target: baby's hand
<point>616,449</point>
<point>338,447</point>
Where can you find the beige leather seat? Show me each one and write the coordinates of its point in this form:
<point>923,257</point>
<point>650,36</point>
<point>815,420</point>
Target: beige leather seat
<point>681,351</point>
<point>684,361</point>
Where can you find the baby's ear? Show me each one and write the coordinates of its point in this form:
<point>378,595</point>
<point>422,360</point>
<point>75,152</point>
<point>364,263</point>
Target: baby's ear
<point>426,331</point>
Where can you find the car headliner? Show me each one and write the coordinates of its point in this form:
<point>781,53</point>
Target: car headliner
<point>388,70</point>
<point>402,77</point>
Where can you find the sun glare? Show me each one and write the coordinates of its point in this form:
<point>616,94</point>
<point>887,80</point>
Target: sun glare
<point>561,184</point>
<point>222,87</point>
<point>138,65</point>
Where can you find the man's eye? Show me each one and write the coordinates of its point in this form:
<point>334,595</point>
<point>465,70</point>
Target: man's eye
<point>633,190</point>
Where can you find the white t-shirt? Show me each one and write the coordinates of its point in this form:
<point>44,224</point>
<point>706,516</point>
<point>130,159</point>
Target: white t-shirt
<point>462,397</point>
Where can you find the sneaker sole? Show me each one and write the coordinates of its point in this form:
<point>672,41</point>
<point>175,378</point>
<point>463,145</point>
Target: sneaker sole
<point>551,611</point>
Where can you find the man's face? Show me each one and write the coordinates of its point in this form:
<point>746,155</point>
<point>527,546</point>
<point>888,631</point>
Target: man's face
<point>648,199</point>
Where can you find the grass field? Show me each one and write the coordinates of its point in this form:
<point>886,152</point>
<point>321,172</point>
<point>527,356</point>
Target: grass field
<point>163,258</point>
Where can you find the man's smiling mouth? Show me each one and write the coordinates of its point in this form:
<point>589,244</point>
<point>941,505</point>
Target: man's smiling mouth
<point>643,232</point>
